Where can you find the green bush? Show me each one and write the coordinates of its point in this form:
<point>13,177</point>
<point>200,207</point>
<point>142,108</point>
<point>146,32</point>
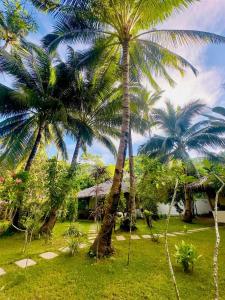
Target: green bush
<point>186,255</point>
<point>74,238</point>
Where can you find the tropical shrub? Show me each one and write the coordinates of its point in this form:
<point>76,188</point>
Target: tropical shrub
<point>74,238</point>
<point>186,255</point>
<point>155,180</point>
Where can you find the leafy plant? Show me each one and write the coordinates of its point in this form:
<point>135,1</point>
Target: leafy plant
<point>186,255</point>
<point>74,237</point>
<point>148,216</point>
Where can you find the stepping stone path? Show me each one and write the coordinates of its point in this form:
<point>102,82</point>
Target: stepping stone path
<point>2,272</point>
<point>64,249</point>
<point>146,236</point>
<point>26,262</point>
<point>81,246</point>
<point>120,238</point>
<point>135,237</point>
<point>48,255</point>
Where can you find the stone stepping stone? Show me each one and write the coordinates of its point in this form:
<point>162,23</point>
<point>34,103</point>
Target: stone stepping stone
<point>26,262</point>
<point>2,272</point>
<point>91,231</point>
<point>48,255</point>
<point>135,237</point>
<point>158,235</point>
<point>171,234</point>
<point>64,249</point>
<point>120,238</point>
<point>91,238</point>
<point>179,233</point>
<point>146,236</point>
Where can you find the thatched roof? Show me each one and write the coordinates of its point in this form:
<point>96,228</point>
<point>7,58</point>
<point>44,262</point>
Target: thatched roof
<point>102,190</point>
<point>201,184</point>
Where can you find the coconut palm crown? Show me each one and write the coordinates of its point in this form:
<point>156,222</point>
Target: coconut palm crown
<point>182,135</point>
<point>33,109</point>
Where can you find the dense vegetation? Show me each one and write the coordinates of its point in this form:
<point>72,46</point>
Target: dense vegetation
<point>102,88</point>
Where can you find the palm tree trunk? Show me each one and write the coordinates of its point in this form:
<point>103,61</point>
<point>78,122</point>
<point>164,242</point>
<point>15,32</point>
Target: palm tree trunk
<point>50,221</point>
<point>129,223</point>
<point>34,150</point>
<point>16,217</point>
<point>188,205</point>
<point>132,204</point>
<point>103,242</point>
<point>73,164</point>
<point>188,215</point>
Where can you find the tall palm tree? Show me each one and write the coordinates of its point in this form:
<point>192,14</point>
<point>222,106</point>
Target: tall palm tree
<point>124,32</point>
<point>182,135</point>
<point>94,116</point>
<point>33,110</point>
<point>15,24</point>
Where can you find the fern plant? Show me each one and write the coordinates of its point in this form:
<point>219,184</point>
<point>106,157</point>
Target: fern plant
<point>186,255</point>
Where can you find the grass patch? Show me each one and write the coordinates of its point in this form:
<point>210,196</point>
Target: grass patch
<point>80,277</point>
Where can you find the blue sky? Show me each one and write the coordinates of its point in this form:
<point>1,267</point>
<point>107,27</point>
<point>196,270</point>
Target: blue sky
<point>206,15</point>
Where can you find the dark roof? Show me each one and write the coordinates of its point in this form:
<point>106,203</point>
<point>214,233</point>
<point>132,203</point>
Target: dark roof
<point>102,189</point>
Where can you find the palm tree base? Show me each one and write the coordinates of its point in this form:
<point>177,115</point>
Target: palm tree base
<point>102,247</point>
<point>188,216</point>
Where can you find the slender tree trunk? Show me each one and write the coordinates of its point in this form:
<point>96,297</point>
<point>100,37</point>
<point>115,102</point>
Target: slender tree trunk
<point>166,242</point>
<point>50,221</point>
<point>73,164</point>
<point>217,244</point>
<point>188,215</point>
<point>34,150</point>
<point>103,241</point>
<point>129,223</point>
<point>16,216</point>
<point>211,199</point>
<point>132,203</point>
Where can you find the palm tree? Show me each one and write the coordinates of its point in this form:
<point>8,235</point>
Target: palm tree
<point>182,135</point>
<point>15,24</point>
<point>94,116</point>
<point>33,110</point>
<point>124,32</point>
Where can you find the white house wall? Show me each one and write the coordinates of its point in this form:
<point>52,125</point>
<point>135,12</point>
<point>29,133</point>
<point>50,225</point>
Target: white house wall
<point>202,206</point>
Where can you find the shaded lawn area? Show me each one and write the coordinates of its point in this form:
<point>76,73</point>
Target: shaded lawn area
<point>80,277</point>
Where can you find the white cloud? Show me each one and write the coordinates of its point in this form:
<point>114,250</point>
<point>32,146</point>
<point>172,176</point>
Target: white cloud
<point>207,15</point>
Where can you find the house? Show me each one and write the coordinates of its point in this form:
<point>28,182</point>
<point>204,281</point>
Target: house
<point>90,197</point>
<point>203,191</point>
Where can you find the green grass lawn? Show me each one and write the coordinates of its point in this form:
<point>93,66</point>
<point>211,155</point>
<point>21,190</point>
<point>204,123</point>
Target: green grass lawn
<point>80,277</point>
